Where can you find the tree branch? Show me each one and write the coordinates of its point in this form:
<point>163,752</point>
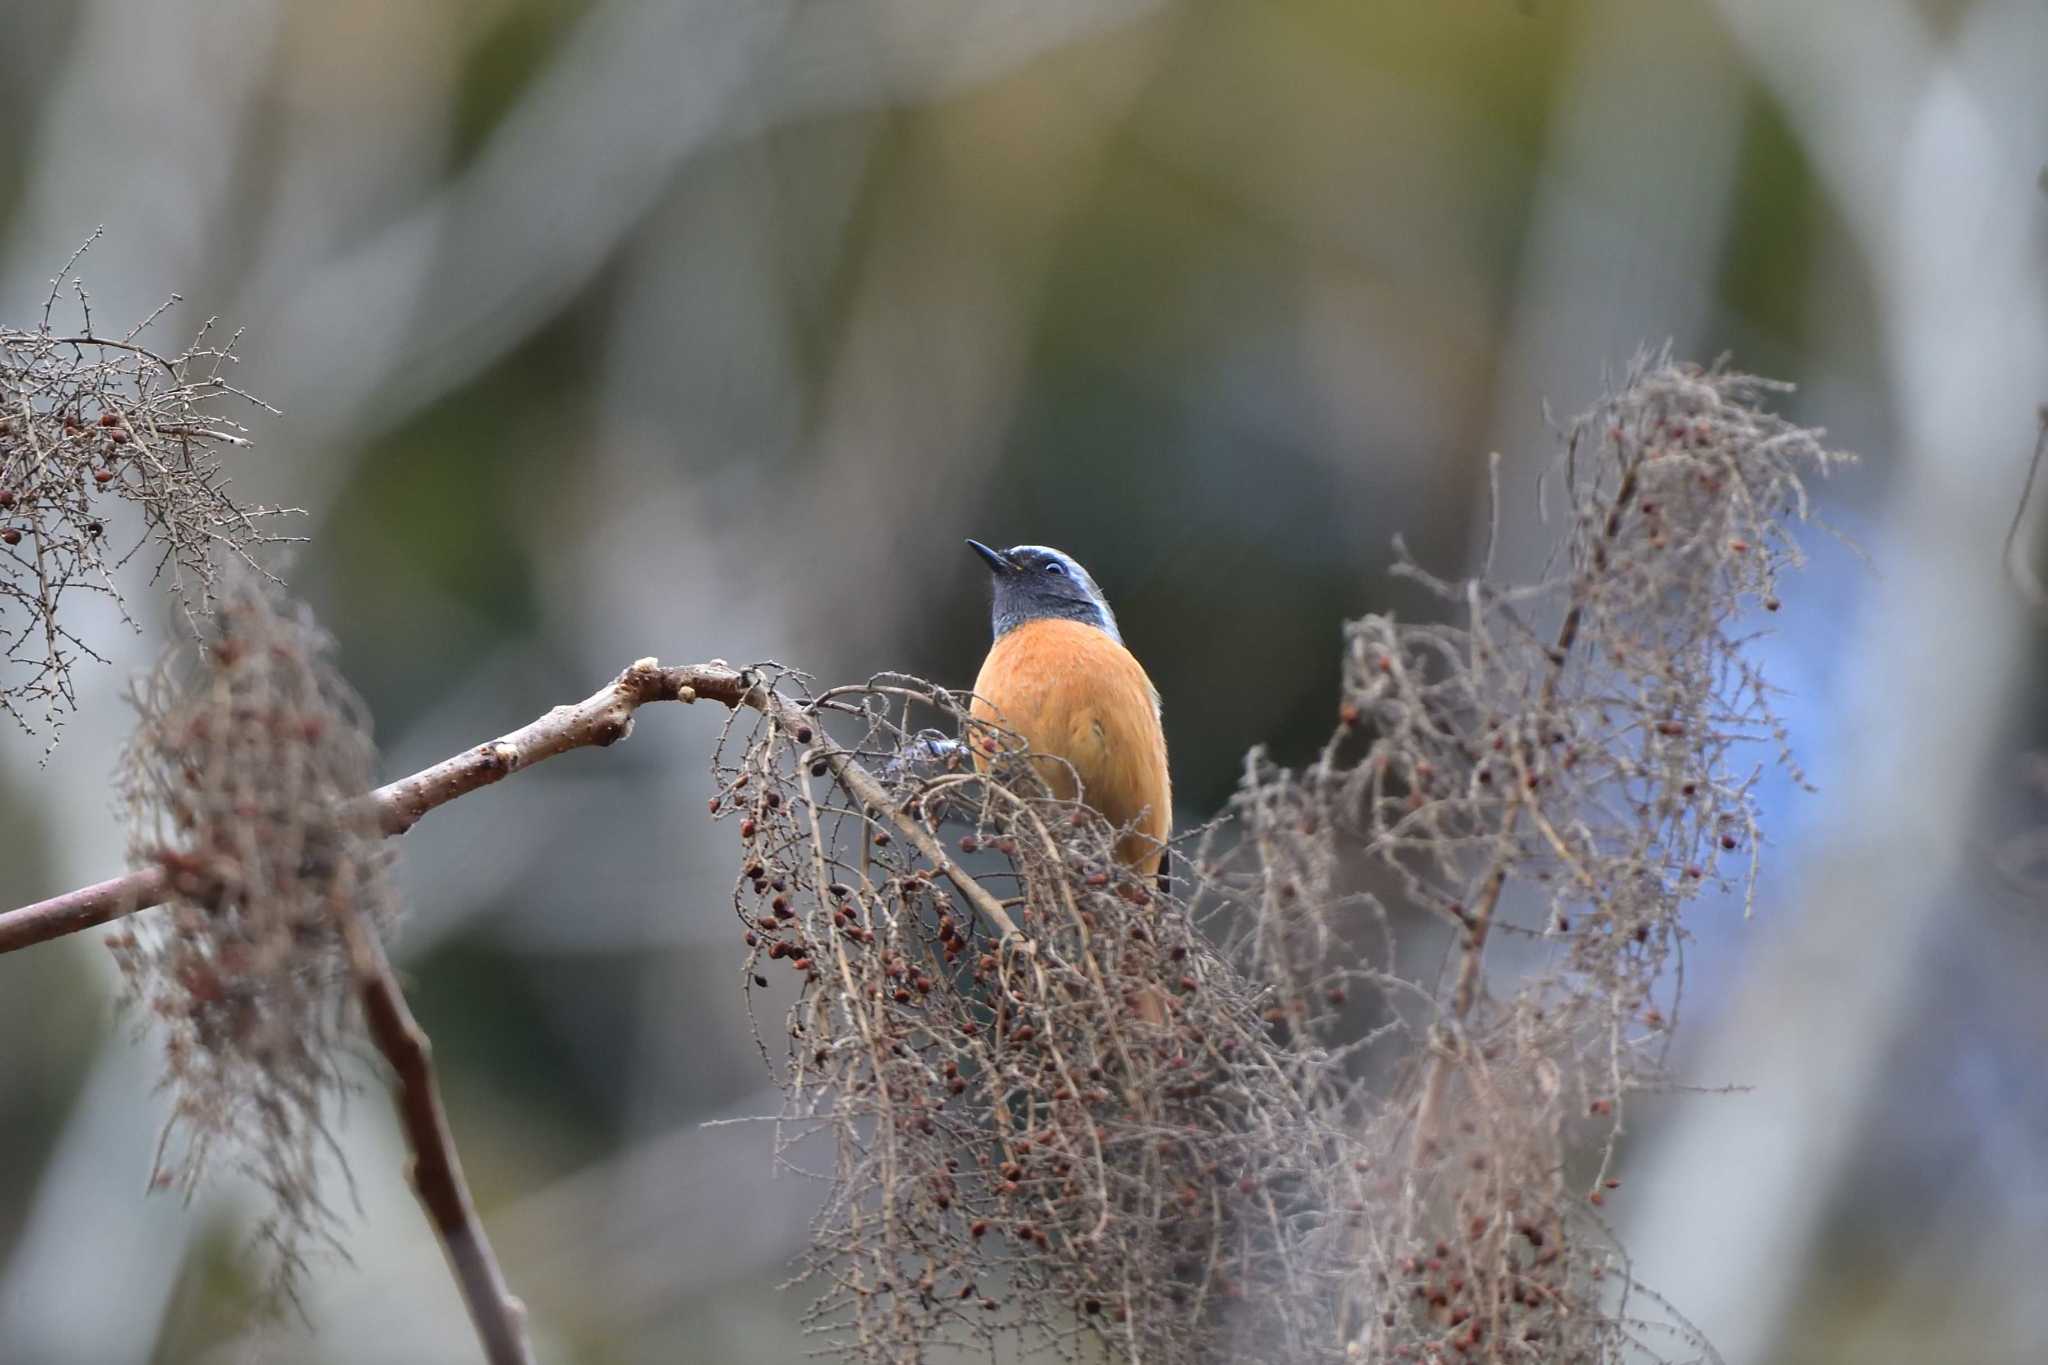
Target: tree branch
<point>435,1170</point>
<point>601,719</point>
<point>80,909</point>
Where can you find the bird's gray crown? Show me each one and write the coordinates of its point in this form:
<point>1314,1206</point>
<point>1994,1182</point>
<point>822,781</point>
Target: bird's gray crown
<point>1037,582</point>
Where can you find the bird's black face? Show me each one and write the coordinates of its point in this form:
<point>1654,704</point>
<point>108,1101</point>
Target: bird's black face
<point>1033,582</point>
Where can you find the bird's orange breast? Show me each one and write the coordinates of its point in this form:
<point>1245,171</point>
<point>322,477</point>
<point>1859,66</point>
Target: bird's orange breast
<point>1070,691</point>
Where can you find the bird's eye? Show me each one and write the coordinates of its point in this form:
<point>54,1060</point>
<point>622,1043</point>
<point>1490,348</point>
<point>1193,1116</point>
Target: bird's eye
<point>1053,566</point>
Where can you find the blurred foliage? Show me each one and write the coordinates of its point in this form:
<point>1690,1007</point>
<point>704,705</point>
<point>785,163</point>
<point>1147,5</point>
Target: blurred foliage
<point>507,51</point>
<point>1219,298</point>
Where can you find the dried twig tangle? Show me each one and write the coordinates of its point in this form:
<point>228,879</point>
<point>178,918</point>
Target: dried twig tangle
<point>108,450</point>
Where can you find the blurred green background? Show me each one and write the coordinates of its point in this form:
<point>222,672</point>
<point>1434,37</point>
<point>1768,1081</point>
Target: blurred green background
<point>606,329</point>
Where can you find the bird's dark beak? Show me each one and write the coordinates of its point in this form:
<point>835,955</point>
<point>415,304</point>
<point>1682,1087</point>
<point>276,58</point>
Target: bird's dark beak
<point>998,562</point>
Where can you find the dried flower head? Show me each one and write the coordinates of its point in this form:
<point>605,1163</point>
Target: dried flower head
<point>1555,772</point>
<point>1061,1109</point>
<point>109,452</point>
<point>244,782</point>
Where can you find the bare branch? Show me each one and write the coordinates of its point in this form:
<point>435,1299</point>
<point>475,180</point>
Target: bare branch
<point>81,909</point>
<point>436,1170</point>
<point>603,718</point>
<point>600,719</point>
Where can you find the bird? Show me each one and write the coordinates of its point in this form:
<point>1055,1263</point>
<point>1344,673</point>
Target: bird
<point>1059,677</point>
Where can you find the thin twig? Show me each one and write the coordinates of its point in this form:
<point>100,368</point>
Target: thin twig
<point>2023,575</point>
<point>869,790</point>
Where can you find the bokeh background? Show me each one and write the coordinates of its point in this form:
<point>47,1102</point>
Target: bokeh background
<point>606,328</point>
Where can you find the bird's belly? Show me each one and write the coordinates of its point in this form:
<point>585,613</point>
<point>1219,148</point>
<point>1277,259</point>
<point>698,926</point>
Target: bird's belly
<point>1070,746</point>
<point>1087,713</point>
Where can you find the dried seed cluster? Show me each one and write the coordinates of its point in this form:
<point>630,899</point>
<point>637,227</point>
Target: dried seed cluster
<point>244,782</point>
<point>1555,771</point>
<point>1088,1129</point>
<point>1285,1135</point>
<point>109,452</point>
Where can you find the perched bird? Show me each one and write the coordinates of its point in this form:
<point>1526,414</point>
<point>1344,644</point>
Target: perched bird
<point>1059,678</point>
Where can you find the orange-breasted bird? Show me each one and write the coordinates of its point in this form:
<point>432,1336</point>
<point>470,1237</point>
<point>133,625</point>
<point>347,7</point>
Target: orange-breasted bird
<point>1058,677</point>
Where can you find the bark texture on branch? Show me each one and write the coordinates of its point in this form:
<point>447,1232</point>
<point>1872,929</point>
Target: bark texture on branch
<point>81,909</point>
